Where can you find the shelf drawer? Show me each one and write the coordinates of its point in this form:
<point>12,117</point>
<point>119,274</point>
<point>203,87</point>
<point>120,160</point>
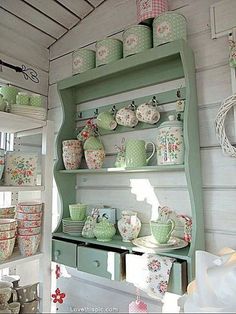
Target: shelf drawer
<point>178,277</point>
<point>101,262</point>
<point>64,252</point>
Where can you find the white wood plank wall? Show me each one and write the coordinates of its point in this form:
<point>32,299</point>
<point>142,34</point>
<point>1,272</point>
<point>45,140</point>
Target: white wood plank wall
<point>213,83</point>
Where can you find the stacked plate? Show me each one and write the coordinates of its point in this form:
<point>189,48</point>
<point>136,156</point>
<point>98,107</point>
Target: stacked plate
<point>72,227</point>
<point>29,111</point>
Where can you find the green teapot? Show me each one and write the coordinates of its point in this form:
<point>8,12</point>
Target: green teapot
<point>104,231</point>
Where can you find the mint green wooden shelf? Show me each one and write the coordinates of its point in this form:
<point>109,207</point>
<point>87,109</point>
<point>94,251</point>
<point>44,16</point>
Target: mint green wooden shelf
<point>168,62</point>
<point>126,170</point>
<point>119,244</point>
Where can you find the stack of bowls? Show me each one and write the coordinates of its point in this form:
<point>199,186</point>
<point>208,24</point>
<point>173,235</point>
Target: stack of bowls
<point>75,223</point>
<point>7,212</point>
<point>29,215</point>
<point>7,237</point>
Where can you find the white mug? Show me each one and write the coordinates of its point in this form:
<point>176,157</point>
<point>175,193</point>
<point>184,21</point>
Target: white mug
<point>148,112</point>
<point>127,117</point>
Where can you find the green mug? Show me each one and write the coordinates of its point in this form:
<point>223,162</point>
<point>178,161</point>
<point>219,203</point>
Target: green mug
<point>162,231</point>
<point>106,121</point>
<point>135,153</point>
<point>78,211</point>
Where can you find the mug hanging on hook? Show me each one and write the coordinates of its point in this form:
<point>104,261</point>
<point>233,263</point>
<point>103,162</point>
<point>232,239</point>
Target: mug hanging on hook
<point>148,112</point>
<point>127,116</point>
<point>106,120</point>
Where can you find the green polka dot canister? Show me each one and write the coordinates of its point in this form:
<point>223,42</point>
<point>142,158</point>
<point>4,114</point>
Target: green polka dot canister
<point>83,60</point>
<point>36,100</point>
<point>9,93</point>
<point>22,98</point>
<point>136,39</point>
<point>108,50</point>
<point>168,27</point>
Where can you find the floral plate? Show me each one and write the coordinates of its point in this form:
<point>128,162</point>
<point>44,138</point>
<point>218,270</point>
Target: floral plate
<point>171,242</point>
<point>146,243</point>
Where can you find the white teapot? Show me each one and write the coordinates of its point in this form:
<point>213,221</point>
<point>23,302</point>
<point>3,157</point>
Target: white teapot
<point>148,112</point>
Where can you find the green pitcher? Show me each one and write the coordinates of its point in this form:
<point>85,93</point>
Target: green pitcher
<point>135,153</point>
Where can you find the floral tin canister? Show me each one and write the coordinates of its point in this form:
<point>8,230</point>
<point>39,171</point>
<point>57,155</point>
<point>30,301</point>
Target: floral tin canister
<point>170,143</point>
<point>108,50</point>
<point>21,169</point>
<point>83,60</point>
<point>168,27</point>
<point>136,39</point>
<point>149,9</point>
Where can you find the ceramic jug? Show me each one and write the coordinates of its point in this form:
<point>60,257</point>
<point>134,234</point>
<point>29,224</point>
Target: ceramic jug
<point>129,225</point>
<point>135,153</point>
<point>170,142</point>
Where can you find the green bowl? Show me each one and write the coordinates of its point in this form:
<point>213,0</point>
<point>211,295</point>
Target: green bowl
<point>78,211</point>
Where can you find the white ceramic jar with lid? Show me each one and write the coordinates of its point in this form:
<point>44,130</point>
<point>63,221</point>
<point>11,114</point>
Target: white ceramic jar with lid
<point>170,142</point>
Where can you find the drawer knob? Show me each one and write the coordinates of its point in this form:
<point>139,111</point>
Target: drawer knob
<point>96,263</point>
<point>57,253</point>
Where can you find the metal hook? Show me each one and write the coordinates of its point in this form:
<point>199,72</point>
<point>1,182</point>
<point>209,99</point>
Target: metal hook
<point>178,93</point>
<point>80,115</point>
<point>154,101</point>
<point>96,113</point>
<point>113,109</point>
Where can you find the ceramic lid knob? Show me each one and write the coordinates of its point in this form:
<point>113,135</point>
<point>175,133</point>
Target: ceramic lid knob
<point>171,117</point>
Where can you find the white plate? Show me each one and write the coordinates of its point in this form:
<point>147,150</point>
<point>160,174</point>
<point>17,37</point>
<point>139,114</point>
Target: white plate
<point>146,243</point>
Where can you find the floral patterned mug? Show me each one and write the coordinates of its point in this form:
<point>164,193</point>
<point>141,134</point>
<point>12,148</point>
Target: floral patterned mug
<point>127,116</point>
<point>148,112</point>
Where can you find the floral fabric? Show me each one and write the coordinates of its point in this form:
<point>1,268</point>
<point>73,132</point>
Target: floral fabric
<point>154,275</point>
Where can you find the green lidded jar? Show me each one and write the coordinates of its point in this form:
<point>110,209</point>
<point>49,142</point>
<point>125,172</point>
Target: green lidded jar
<point>168,27</point>
<point>93,143</point>
<point>108,50</point>
<point>83,60</point>
<point>136,39</point>
<point>104,231</point>
<point>9,93</point>
<point>22,98</point>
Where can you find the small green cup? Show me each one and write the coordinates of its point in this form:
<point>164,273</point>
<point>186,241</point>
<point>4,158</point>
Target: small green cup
<point>162,231</point>
<point>78,211</point>
<point>106,121</point>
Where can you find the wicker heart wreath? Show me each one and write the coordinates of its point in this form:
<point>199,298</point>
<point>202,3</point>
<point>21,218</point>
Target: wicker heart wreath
<point>225,107</point>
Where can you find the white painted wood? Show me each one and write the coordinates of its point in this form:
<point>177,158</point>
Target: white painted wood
<point>33,17</point>
<point>23,49</point>
<point>24,29</point>
<point>53,97</point>
<point>120,12</point>
<point>45,245</point>
<point>21,188</point>
<point>55,11</point>
<point>96,2</point>
<point>12,123</point>
<point>18,80</point>
<point>123,13</point>
<point>81,8</point>
<point>17,258</point>
<point>60,68</point>
<point>223,17</point>
<point>213,85</point>
<point>216,241</point>
<point>56,116</point>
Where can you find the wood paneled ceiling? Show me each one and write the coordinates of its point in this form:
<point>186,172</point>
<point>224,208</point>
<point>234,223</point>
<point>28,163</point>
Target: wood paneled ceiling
<point>45,21</point>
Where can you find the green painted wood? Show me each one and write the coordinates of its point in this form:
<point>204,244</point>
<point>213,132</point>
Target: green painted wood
<point>178,278</point>
<point>168,62</point>
<point>162,99</point>
<point>126,170</point>
<point>64,253</point>
<point>156,65</point>
<point>119,244</point>
<point>101,263</point>
<point>115,243</point>
<point>65,186</point>
<point>192,154</point>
